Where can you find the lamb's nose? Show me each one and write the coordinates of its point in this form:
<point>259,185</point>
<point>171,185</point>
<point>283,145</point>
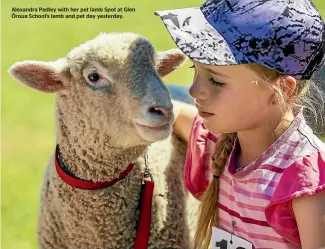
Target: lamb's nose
<point>161,111</point>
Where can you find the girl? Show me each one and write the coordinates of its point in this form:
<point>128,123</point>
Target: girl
<point>252,160</point>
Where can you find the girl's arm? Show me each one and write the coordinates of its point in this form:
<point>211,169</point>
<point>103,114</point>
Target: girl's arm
<point>184,116</point>
<point>310,213</point>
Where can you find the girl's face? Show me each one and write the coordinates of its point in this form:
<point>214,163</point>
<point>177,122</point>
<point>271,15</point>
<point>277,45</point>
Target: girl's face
<point>229,99</point>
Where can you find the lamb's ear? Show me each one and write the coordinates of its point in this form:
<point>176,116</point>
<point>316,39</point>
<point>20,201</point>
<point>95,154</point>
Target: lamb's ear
<point>168,61</point>
<point>46,77</point>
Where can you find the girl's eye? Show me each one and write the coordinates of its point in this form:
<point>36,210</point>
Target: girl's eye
<point>94,77</point>
<point>216,83</point>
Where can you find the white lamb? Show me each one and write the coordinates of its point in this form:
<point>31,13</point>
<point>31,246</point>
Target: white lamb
<point>112,109</point>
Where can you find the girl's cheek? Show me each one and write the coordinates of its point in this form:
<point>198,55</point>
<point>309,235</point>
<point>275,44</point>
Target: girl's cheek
<point>222,98</point>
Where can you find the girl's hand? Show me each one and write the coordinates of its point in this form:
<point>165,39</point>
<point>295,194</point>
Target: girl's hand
<point>310,216</point>
<point>184,116</point>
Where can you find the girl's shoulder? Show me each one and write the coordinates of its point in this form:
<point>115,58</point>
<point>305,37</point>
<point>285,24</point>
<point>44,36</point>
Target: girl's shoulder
<point>297,148</point>
<point>201,145</point>
<point>304,175</point>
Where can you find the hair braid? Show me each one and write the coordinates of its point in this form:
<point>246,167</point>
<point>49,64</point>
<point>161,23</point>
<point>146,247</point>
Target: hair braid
<point>208,214</point>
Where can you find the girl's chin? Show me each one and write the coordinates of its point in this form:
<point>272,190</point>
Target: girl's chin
<point>212,127</point>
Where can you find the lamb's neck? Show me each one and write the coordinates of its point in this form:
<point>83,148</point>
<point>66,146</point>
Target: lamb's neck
<point>95,161</point>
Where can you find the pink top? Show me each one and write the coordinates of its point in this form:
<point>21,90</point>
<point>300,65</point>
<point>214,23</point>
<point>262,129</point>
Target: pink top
<point>255,203</point>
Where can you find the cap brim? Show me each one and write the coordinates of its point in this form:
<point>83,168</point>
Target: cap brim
<point>196,37</point>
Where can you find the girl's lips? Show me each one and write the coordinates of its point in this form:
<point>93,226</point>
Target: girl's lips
<point>205,114</point>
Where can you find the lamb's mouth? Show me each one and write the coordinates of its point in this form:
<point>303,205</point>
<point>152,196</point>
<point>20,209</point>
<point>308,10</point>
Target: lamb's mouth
<point>159,127</point>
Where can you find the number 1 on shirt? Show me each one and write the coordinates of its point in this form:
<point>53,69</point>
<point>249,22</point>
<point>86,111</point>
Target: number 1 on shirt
<point>224,240</point>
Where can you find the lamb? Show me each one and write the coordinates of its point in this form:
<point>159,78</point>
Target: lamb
<point>112,112</point>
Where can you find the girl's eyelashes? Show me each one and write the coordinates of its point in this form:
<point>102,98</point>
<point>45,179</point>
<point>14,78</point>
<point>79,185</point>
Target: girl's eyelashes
<point>216,83</point>
<point>193,66</point>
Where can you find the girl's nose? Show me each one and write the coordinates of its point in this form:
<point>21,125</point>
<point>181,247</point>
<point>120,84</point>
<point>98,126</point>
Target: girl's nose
<point>196,89</point>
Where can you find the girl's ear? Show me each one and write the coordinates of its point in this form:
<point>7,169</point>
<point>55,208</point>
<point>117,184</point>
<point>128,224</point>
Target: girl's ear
<point>46,77</point>
<point>288,85</point>
<point>168,61</point>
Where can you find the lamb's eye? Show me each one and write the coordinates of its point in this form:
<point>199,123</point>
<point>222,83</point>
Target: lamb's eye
<point>95,79</point>
<point>94,76</point>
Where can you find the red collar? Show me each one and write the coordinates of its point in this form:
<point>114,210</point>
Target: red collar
<point>86,184</point>
<point>143,229</point>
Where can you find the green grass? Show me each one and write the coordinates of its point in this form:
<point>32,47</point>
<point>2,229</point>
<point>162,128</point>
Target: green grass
<point>28,132</point>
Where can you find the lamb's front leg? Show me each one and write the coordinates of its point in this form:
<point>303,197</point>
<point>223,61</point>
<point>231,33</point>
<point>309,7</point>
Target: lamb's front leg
<point>49,231</point>
<point>50,228</point>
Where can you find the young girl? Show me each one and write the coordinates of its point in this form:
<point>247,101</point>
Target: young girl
<point>252,160</point>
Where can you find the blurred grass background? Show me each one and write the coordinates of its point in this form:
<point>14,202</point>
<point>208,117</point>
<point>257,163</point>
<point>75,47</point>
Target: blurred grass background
<point>28,134</point>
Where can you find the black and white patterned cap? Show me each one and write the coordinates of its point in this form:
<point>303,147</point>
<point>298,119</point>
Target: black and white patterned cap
<point>285,35</point>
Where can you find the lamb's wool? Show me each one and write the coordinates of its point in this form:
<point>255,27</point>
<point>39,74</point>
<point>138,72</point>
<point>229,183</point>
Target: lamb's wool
<point>107,218</point>
<point>98,139</point>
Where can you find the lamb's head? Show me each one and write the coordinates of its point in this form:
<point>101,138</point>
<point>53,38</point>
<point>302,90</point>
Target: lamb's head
<point>109,87</point>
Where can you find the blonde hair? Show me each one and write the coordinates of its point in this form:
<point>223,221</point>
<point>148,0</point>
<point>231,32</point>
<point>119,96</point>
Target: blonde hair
<point>305,95</point>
